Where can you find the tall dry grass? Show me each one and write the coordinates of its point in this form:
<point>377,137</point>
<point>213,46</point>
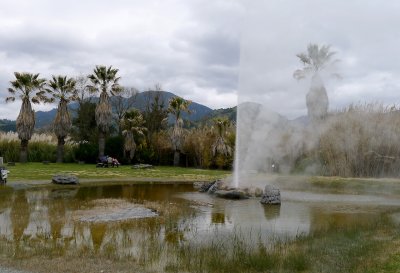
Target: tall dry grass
<point>41,147</point>
<point>361,141</point>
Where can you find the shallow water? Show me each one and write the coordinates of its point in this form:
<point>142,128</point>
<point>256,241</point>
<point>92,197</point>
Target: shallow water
<point>48,221</point>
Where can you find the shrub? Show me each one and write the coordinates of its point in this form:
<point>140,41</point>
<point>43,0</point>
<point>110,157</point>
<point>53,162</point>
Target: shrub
<point>87,152</point>
<point>115,147</point>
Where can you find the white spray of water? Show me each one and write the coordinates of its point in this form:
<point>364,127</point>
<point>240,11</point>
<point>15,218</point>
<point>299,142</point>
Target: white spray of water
<point>267,141</point>
<point>236,162</point>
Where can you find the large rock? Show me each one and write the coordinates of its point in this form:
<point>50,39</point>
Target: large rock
<point>65,179</point>
<point>272,195</point>
<point>231,194</point>
<point>205,186</point>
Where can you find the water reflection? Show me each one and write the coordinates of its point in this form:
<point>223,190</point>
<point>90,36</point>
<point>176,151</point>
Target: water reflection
<point>39,223</point>
<point>217,218</point>
<point>31,220</point>
<point>6,231</point>
<point>272,212</point>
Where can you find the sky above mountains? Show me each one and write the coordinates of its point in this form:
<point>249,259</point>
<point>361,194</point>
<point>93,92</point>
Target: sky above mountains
<point>212,52</point>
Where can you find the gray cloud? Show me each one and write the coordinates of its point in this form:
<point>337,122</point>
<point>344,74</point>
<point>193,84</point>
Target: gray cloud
<point>363,33</point>
<point>188,47</point>
<point>207,51</point>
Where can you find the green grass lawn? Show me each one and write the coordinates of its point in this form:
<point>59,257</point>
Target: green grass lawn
<point>39,171</point>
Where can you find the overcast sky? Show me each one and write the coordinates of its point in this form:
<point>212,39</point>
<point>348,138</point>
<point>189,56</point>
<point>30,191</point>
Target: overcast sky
<point>207,50</point>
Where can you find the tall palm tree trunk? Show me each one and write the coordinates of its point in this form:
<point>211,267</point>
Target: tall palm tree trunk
<point>25,124</point>
<point>62,124</point>
<point>317,100</point>
<point>60,149</point>
<point>23,155</point>
<point>102,143</point>
<point>177,157</point>
<point>177,140</point>
<point>103,119</point>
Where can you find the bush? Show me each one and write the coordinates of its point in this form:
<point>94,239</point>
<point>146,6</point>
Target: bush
<point>9,150</point>
<point>39,151</point>
<point>87,152</point>
<point>115,147</point>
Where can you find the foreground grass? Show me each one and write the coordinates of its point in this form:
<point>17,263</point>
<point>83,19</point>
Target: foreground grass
<point>373,248</point>
<point>368,247</point>
<point>39,171</point>
<point>351,250</point>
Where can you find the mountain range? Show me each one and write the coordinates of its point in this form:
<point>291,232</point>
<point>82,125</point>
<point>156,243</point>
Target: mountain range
<point>199,113</point>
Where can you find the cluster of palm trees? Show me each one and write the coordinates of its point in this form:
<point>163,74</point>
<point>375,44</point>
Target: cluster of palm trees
<point>30,88</point>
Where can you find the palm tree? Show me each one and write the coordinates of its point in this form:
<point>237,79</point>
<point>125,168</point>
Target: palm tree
<point>62,90</point>
<point>29,88</point>
<point>133,125</point>
<point>122,103</point>
<point>315,60</point>
<point>176,107</point>
<point>105,81</point>
<point>220,145</point>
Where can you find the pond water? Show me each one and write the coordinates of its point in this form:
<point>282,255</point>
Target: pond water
<point>73,220</point>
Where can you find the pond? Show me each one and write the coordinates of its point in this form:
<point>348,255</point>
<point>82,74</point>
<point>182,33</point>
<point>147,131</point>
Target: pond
<point>141,222</point>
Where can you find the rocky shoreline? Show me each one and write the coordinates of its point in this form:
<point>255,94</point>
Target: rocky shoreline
<point>269,196</point>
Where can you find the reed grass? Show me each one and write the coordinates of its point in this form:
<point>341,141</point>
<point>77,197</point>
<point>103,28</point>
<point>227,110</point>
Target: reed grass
<point>41,147</point>
<point>362,141</point>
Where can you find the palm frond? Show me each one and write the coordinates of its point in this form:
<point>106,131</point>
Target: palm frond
<point>315,59</point>
<point>304,58</point>
<point>35,100</point>
<point>10,99</point>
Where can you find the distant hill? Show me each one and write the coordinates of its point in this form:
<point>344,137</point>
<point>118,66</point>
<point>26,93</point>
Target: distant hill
<point>198,111</point>
<point>200,114</point>
<point>229,113</point>
<point>7,125</point>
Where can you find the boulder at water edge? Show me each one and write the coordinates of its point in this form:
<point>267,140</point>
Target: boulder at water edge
<point>231,194</point>
<point>65,179</point>
<point>272,196</point>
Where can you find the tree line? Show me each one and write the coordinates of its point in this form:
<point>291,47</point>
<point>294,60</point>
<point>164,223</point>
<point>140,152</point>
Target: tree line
<point>113,122</point>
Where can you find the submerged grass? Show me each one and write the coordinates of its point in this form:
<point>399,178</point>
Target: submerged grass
<point>160,245</point>
<point>39,171</point>
<point>354,249</point>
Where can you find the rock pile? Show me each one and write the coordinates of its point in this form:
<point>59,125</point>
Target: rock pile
<point>272,196</point>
